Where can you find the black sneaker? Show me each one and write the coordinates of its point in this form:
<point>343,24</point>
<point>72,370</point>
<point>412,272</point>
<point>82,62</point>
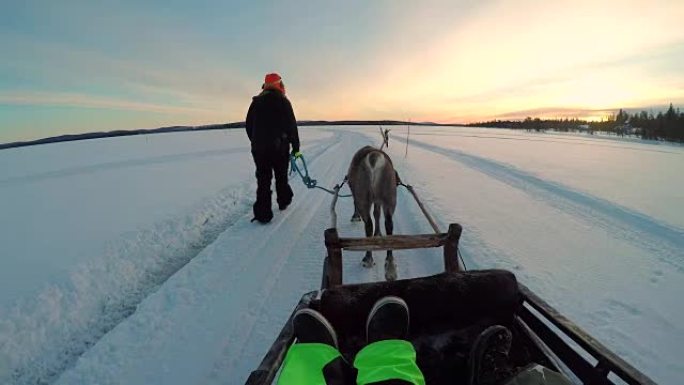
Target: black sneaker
<point>488,361</point>
<point>388,320</point>
<point>311,326</point>
<point>282,206</point>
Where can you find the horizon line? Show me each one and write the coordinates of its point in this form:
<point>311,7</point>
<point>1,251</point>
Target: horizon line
<point>303,123</point>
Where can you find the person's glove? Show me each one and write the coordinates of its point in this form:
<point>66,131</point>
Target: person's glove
<point>296,154</point>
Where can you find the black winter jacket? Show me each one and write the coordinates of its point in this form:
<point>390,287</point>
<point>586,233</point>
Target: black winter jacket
<point>271,124</point>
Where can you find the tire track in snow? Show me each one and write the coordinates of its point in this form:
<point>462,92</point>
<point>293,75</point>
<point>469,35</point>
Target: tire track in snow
<point>621,144</point>
<point>280,240</point>
<point>665,242</point>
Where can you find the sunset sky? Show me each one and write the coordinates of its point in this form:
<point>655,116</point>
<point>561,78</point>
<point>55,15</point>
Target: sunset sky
<point>78,66</point>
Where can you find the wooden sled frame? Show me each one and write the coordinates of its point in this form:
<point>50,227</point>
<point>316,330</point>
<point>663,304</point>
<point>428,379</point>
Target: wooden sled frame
<point>332,265</point>
<point>534,326</point>
<point>565,345</point>
<point>562,344</point>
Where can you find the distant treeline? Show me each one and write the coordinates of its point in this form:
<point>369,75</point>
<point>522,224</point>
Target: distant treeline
<point>112,134</point>
<point>662,126</point>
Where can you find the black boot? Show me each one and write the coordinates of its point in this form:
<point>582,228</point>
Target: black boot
<point>488,361</point>
<point>283,189</point>
<point>311,326</point>
<point>388,320</point>
<point>262,207</point>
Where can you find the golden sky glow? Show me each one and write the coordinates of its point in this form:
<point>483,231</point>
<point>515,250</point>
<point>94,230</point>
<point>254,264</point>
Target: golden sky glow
<point>443,61</point>
<point>528,55</point>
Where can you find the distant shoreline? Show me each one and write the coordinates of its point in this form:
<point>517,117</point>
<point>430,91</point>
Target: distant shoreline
<point>224,126</point>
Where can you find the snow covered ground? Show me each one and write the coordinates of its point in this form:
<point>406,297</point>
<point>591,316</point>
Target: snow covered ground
<point>133,261</point>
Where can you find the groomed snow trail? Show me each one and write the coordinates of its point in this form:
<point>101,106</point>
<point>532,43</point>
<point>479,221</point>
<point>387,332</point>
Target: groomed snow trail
<point>213,320</point>
<point>42,338</point>
<point>614,271</point>
<point>666,240</point>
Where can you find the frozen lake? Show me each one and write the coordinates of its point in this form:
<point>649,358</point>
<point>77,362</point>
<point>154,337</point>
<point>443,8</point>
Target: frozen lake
<point>113,248</point>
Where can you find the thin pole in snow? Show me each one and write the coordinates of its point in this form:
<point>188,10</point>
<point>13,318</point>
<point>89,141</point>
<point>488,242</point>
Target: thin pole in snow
<point>408,133</point>
<point>385,138</point>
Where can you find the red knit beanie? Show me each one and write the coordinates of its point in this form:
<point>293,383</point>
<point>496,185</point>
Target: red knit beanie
<point>273,81</point>
<point>272,78</point>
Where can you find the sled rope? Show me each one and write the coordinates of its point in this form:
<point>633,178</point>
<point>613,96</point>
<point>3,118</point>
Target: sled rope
<point>313,183</point>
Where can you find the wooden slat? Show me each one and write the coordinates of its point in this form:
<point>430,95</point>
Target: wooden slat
<point>451,248</point>
<point>325,280</point>
<point>393,242</point>
<point>579,366</point>
<point>334,258</point>
<point>608,359</point>
<point>540,354</point>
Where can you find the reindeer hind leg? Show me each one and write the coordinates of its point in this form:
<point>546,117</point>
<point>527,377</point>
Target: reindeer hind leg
<point>368,222</point>
<point>376,216</point>
<point>390,265</point>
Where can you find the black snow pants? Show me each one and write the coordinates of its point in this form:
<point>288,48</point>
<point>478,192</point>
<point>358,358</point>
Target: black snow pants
<point>269,163</point>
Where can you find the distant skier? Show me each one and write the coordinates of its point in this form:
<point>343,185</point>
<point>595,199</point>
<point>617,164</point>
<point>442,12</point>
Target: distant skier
<point>272,127</point>
<point>385,137</point>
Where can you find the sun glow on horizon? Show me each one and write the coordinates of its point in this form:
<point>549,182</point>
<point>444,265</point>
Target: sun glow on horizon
<point>446,62</point>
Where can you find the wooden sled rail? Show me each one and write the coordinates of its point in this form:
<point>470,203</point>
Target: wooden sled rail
<point>393,242</point>
<point>590,373</point>
<point>332,266</point>
<point>266,372</point>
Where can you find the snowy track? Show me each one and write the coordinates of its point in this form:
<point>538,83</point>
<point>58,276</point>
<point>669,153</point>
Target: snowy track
<point>614,271</point>
<point>218,315</point>
<point>45,338</point>
<point>219,312</point>
<point>202,297</point>
<point>667,242</point>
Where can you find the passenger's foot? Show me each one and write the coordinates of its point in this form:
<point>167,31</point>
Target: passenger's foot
<point>311,326</point>
<point>488,361</point>
<point>388,320</point>
<point>282,206</point>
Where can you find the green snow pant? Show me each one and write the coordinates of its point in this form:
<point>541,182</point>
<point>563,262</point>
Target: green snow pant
<point>386,362</point>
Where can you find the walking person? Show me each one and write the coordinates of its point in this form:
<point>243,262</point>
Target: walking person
<point>272,128</point>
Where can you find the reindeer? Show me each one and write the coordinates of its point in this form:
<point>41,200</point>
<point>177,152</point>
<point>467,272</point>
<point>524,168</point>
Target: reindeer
<point>373,181</point>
